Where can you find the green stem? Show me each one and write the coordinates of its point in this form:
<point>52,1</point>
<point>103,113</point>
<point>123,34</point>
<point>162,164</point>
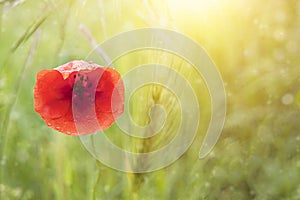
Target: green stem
<point>97,181</point>
<point>99,169</point>
<point>10,107</point>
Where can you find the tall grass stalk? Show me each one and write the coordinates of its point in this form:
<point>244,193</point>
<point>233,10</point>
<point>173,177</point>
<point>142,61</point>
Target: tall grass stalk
<point>5,125</point>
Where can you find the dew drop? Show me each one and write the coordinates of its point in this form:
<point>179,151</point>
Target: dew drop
<point>3,161</point>
<point>57,127</point>
<point>279,35</point>
<point>255,21</point>
<point>15,115</point>
<point>2,82</point>
<point>280,17</point>
<point>278,54</point>
<point>106,188</point>
<point>207,184</point>
<point>287,99</point>
<point>263,26</point>
<point>74,67</point>
<point>298,165</point>
<point>292,47</point>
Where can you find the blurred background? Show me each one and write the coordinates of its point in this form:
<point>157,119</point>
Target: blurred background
<point>255,45</point>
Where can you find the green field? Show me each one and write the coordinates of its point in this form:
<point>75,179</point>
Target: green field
<point>255,46</point>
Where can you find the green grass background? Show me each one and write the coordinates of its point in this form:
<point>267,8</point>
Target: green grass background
<point>256,47</point>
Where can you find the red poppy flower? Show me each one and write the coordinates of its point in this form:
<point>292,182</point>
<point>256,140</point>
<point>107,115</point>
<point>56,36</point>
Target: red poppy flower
<point>79,97</point>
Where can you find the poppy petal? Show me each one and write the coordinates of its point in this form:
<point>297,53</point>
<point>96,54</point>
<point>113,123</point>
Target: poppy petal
<point>51,94</point>
<point>80,91</point>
